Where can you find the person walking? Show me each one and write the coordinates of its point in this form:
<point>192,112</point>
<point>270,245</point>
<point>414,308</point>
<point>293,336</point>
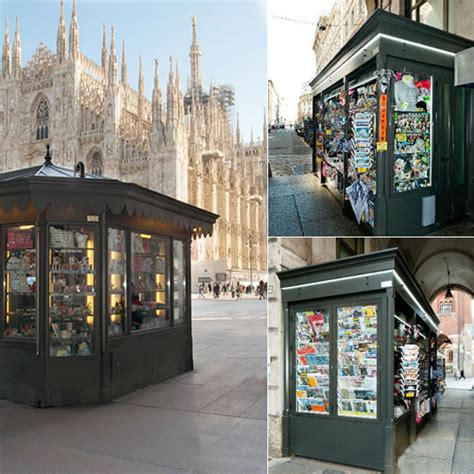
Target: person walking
<point>201,290</point>
<point>462,375</point>
<point>261,290</point>
<point>237,293</point>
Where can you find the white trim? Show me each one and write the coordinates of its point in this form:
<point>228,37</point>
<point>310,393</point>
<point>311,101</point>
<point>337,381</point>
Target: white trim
<point>394,38</point>
<point>336,279</point>
<point>354,277</point>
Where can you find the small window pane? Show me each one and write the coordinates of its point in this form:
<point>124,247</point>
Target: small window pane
<point>20,282</point>
<point>179,281</point>
<point>117,281</point>
<point>71,291</point>
<point>149,283</point>
<point>432,13</point>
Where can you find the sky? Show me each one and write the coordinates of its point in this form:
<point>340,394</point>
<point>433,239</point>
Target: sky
<point>232,37</point>
<point>291,60</point>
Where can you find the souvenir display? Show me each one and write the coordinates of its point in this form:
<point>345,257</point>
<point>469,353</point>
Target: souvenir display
<point>71,291</point>
<point>333,138</point>
<point>362,163</point>
<point>357,361</point>
<point>117,281</point>
<point>312,362</point>
<point>148,282</point>
<point>179,296</point>
<point>423,402</point>
<point>402,395</point>
<point>413,140</point>
<point>20,282</point>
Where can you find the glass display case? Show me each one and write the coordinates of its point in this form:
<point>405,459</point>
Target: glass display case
<point>20,282</point>
<point>117,284</point>
<point>149,283</point>
<point>72,291</point>
<point>95,299</point>
<point>312,362</point>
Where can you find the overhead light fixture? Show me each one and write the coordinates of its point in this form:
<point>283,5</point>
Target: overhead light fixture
<point>448,296</point>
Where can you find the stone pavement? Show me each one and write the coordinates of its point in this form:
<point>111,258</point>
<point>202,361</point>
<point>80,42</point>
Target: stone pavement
<point>288,154</point>
<point>464,384</point>
<point>211,420</point>
<point>444,446</point>
<point>300,205</point>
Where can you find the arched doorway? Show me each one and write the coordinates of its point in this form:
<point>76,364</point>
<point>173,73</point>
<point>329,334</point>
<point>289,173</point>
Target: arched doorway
<point>95,164</point>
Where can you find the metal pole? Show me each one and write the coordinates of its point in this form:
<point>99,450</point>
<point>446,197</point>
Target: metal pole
<point>250,261</point>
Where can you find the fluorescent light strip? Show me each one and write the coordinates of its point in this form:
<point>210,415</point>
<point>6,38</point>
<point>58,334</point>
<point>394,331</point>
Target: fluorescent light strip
<point>410,294</point>
<point>353,277</point>
<point>394,38</point>
<point>401,320</point>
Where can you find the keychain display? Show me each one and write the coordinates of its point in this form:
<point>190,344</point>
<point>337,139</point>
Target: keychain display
<point>413,140</point>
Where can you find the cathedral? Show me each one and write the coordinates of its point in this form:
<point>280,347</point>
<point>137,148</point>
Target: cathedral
<point>181,144</point>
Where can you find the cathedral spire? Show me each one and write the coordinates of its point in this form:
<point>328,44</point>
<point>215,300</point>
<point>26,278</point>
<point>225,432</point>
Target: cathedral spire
<point>170,96</point>
<point>141,91</point>
<point>61,37</point>
<point>238,136</point>
<point>104,50</point>
<point>113,68</point>
<point>6,56</point>
<point>124,65</point>
<point>195,56</point>
<point>157,100</point>
<point>16,59</point>
<point>74,34</point>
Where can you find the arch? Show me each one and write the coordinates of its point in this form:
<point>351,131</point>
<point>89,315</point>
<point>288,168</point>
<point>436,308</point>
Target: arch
<point>40,112</point>
<point>95,162</point>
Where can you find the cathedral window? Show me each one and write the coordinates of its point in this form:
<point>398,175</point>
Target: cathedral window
<point>96,164</point>
<point>42,120</point>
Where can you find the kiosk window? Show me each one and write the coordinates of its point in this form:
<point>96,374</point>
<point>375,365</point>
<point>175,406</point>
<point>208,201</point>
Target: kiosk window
<point>20,282</point>
<point>312,362</point>
<point>149,282</point>
<point>357,361</point>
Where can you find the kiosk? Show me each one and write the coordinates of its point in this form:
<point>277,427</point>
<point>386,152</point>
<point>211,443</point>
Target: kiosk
<point>393,135</point>
<point>95,300</point>
<point>361,376</point>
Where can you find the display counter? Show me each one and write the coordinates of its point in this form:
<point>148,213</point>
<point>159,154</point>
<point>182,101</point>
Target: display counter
<point>96,286</point>
<point>392,132</point>
<point>362,374</point>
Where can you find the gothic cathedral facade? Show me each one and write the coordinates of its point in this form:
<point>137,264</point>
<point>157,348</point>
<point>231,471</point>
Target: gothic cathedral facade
<point>182,145</point>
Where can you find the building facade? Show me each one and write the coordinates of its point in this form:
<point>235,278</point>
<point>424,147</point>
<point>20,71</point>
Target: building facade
<point>455,316</point>
<point>181,143</point>
<point>346,17</point>
<point>305,104</point>
<point>274,105</point>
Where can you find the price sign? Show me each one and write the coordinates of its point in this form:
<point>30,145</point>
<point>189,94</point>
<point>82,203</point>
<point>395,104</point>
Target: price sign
<point>383,118</point>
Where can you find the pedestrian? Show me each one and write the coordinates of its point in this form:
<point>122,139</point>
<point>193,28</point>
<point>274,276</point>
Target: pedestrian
<point>201,290</point>
<point>209,287</point>
<point>232,291</point>
<point>261,290</point>
<point>238,291</point>
<point>462,375</point>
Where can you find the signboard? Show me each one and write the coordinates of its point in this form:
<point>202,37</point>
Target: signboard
<point>221,277</point>
<point>383,118</point>
<point>204,279</point>
<point>19,239</point>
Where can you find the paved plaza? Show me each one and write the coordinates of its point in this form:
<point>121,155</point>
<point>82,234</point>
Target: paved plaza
<point>211,420</point>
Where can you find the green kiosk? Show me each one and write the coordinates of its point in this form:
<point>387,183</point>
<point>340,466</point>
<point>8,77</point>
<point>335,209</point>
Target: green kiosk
<point>393,135</point>
<point>361,377</point>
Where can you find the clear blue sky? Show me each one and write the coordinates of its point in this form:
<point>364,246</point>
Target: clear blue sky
<point>232,35</point>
